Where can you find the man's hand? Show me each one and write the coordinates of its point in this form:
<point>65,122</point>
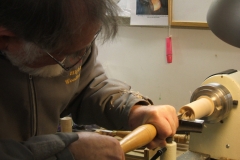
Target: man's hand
<point>92,146</point>
<point>163,117</point>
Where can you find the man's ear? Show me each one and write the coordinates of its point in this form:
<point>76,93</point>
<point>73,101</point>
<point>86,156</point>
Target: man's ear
<point>5,36</point>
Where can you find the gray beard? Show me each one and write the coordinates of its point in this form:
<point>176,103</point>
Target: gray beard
<point>29,53</point>
<point>47,71</point>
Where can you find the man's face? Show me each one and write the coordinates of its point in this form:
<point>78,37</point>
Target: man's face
<point>33,60</point>
<point>30,54</point>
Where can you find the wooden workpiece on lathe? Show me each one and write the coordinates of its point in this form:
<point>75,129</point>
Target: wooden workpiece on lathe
<point>200,108</point>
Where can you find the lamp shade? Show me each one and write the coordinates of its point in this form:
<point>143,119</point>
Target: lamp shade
<point>223,19</point>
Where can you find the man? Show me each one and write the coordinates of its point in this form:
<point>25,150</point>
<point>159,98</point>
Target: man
<point>49,70</point>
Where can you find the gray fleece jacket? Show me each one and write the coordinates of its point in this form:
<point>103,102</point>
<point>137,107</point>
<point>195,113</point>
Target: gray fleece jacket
<point>30,108</point>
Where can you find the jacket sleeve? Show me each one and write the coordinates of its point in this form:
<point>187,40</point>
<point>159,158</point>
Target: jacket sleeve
<point>104,101</point>
<point>45,147</point>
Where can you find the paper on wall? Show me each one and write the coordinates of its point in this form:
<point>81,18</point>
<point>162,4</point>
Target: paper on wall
<point>140,15</point>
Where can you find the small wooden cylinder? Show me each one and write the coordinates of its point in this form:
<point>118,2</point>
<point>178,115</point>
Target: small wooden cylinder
<point>171,153</point>
<point>66,124</point>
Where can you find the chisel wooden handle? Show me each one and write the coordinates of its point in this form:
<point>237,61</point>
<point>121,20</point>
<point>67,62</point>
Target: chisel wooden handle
<point>138,137</point>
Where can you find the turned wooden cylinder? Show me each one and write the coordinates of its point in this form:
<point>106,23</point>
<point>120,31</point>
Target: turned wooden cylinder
<point>66,124</point>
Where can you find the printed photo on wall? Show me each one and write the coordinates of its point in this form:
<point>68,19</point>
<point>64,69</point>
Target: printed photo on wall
<point>149,12</point>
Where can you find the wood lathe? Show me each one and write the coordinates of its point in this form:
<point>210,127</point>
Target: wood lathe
<point>216,103</point>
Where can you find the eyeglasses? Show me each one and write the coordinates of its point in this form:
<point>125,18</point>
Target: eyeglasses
<point>75,58</point>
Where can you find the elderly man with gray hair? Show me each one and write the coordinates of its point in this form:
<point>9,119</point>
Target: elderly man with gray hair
<point>49,70</point>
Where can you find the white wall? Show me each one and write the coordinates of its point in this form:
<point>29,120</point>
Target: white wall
<point>137,57</point>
